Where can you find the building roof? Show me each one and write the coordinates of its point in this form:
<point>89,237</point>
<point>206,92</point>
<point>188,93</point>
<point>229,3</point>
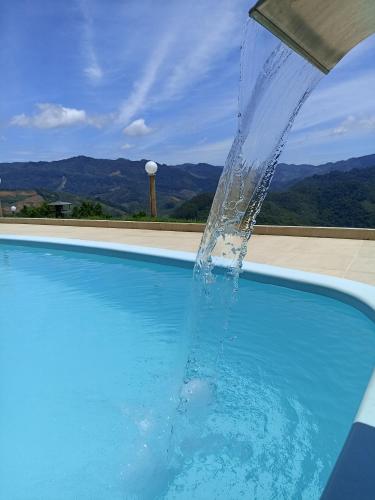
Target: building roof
<point>59,203</point>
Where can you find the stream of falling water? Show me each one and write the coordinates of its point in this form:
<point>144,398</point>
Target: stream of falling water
<point>274,83</point>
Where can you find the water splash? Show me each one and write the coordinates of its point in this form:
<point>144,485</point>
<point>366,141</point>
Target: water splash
<point>274,83</point>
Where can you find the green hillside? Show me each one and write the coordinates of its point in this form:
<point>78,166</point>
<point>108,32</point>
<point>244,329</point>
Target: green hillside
<point>123,184</point>
<point>335,199</point>
<point>345,199</point>
<point>119,183</point>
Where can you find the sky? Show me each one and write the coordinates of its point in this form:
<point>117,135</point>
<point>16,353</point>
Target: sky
<point>155,79</point>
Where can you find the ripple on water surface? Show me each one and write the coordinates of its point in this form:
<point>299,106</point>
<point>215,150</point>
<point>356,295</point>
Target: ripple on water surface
<point>92,356</point>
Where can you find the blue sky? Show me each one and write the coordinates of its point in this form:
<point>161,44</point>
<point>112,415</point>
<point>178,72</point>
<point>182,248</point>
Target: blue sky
<point>155,79</point>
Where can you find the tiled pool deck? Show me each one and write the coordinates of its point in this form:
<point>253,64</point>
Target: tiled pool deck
<point>344,258</point>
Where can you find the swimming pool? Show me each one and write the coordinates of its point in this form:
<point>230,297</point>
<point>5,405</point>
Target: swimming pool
<point>93,345</point>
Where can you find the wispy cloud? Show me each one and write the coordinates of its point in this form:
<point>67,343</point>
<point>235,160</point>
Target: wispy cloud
<point>54,116</point>
<point>336,100</point>
<point>94,71</point>
<point>187,52</point>
<point>140,93</point>
<point>92,68</point>
<point>355,124</point>
<point>137,128</point>
<point>208,152</point>
<point>202,122</point>
<point>126,146</point>
<point>208,44</point>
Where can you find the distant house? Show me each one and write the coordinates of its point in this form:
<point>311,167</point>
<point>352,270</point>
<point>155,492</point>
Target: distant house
<point>61,208</point>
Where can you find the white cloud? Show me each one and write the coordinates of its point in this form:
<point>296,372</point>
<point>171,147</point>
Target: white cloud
<point>92,67</point>
<point>94,72</point>
<point>336,100</point>
<point>350,127</point>
<point>126,146</point>
<point>53,116</point>
<point>137,128</point>
<point>353,124</point>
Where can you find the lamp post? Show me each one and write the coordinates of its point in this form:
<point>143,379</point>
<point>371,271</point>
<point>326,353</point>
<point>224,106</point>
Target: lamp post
<point>151,169</point>
<point>13,209</point>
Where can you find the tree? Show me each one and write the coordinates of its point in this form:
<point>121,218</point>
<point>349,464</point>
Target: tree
<point>89,210</point>
<point>42,211</point>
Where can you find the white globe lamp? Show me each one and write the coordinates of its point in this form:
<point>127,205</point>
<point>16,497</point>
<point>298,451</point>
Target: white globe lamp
<point>151,167</point>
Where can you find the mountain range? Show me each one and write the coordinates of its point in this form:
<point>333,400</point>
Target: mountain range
<point>123,184</point>
<point>332,199</point>
<point>288,174</point>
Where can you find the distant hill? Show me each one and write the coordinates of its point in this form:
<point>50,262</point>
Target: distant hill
<point>334,199</point>
<point>18,199</point>
<point>198,208</point>
<point>123,184</point>
<point>288,174</point>
<point>35,198</point>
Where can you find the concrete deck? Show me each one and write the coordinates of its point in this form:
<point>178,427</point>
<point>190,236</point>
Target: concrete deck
<point>345,258</point>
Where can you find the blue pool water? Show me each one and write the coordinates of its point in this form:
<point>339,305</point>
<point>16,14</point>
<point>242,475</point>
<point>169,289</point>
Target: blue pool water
<point>92,356</point>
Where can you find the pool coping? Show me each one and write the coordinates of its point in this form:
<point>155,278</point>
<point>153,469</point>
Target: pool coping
<point>358,291</point>
<point>359,295</point>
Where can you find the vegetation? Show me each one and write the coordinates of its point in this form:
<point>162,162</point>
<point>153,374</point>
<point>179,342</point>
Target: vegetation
<point>338,198</point>
<point>122,184</point>
<point>86,210</point>
<point>288,175</point>
<point>196,209</point>
<point>334,199</point>
<point>41,211</point>
<point>89,210</point>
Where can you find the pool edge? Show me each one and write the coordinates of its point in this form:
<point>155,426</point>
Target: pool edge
<point>358,291</point>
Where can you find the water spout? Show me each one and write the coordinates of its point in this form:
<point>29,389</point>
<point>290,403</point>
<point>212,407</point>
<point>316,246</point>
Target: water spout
<point>322,32</point>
